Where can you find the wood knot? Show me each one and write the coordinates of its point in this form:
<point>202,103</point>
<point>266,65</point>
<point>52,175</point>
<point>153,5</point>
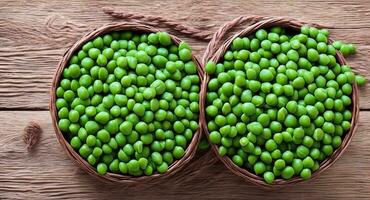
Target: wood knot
<point>32,134</point>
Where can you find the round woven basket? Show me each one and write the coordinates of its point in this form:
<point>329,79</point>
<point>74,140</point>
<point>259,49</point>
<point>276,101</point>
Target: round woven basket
<point>215,52</point>
<point>84,165</point>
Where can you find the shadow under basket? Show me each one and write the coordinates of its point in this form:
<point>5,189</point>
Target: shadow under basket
<point>265,22</point>
<point>81,162</point>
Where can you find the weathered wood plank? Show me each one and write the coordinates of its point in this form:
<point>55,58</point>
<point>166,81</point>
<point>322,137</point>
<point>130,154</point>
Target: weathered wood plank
<point>48,173</point>
<point>34,35</point>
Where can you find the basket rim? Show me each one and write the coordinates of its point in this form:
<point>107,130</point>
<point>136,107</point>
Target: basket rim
<point>81,162</point>
<point>265,22</point>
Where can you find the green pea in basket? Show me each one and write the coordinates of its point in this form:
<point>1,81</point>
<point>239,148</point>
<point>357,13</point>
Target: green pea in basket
<point>215,52</point>
<point>63,138</point>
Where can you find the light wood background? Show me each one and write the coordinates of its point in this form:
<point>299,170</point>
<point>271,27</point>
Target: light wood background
<point>33,37</point>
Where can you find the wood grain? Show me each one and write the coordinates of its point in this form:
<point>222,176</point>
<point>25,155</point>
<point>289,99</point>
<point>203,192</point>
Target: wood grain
<point>34,35</point>
<point>48,172</point>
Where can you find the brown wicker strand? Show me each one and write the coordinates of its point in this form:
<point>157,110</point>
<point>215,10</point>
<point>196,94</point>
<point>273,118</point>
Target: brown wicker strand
<point>32,135</point>
<point>216,53</point>
<point>110,177</point>
<point>158,21</point>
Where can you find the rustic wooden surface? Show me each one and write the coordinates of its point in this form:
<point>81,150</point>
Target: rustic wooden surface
<point>33,37</point>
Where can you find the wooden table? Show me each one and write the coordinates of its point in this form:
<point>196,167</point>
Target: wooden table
<point>33,37</point>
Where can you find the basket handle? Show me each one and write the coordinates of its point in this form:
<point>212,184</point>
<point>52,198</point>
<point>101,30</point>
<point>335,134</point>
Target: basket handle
<point>157,21</point>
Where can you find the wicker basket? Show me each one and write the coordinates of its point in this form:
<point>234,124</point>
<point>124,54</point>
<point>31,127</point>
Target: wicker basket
<point>110,177</point>
<point>215,52</point>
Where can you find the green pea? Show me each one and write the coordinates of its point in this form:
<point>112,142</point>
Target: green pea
<point>288,172</point>
<point>141,127</point>
<point>76,142</point>
<point>164,38</point>
<point>302,151</point>
<point>261,34</point>
<point>178,152</point>
<point>279,164</point>
<point>185,54</point>
<point>270,145</point>
<point>308,162</point>
<point>107,150</point>
<point>139,109</point>
<point>167,157</point>
<point>123,167</point>
<point>133,166</point>
<point>360,80</point>
<point>255,128</point>
<point>345,49</point>
<point>103,136</point>
<point>85,150</point>
<point>290,121</point>
<point>91,140</point>
<point>266,75</point>
<point>102,168</point>
<point>162,168</point>
<point>249,109</point>
<point>266,157</point>
<point>153,38</point>
<point>63,124</point>
<point>269,177</point>
<point>237,160</point>
<point>288,156</point>
<point>271,99</point>
<point>102,117</point>
<point>305,174</point>
<point>298,83</point>
<point>259,168</point>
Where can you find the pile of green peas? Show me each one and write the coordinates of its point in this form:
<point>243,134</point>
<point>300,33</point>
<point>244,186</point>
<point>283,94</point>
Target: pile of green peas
<point>128,102</point>
<point>279,103</point>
